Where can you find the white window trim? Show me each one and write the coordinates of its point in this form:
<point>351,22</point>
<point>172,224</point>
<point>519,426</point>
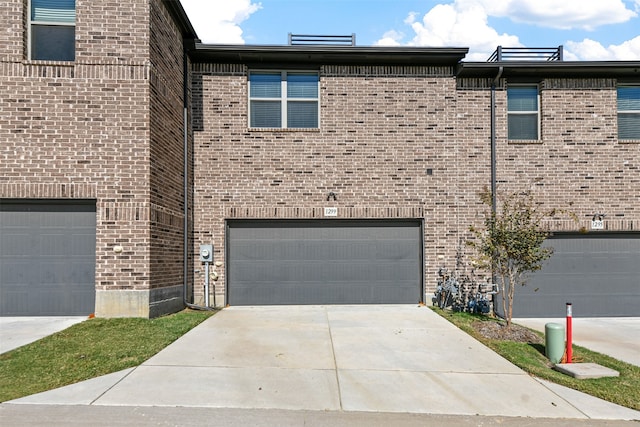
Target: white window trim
<point>284,100</point>
<point>31,23</point>
<point>537,112</point>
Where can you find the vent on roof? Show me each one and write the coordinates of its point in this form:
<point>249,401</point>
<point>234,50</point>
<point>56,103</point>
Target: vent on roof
<point>526,54</point>
<point>307,39</point>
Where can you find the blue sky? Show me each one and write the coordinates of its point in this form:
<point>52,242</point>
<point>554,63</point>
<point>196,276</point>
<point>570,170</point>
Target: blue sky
<point>588,29</point>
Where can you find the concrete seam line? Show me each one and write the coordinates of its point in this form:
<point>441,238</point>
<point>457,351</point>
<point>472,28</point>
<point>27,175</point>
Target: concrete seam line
<point>333,352</point>
<point>113,385</point>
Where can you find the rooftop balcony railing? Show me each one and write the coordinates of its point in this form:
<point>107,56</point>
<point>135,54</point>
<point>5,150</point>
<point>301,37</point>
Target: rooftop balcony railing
<point>324,40</point>
<point>526,54</point>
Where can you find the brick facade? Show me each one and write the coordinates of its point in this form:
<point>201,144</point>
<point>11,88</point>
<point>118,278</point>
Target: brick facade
<point>381,129</point>
<point>578,164</point>
<point>398,138</point>
<point>106,127</point>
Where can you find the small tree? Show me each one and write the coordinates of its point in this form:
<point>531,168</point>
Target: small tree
<point>510,243</point>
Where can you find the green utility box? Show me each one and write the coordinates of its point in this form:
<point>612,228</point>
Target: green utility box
<point>554,341</point>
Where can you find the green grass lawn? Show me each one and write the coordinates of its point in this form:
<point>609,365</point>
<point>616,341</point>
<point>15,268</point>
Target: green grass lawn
<point>89,349</point>
<point>623,390</point>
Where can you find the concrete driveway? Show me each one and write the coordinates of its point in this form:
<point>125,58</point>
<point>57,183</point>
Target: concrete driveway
<point>394,359</point>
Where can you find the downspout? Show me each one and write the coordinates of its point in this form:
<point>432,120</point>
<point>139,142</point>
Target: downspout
<point>493,140</point>
<point>493,163</point>
<point>185,134</point>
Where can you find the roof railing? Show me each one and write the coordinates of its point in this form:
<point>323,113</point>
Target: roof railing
<point>526,54</point>
<point>309,39</point>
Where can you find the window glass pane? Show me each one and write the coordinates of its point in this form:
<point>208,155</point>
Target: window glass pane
<point>629,98</point>
<point>266,114</point>
<point>302,114</point>
<point>265,85</point>
<point>63,11</point>
<point>629,126</point>
<point>267,94</point>
<point>302,85</point>
<point>53,42</point>
<point>522,98</point>
<point>523,126</point>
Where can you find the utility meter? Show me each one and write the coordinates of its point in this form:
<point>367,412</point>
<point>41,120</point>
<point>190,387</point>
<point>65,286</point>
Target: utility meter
<point>206,253</point>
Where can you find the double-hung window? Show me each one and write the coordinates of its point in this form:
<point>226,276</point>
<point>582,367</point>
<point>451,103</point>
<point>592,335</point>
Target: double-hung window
<point>629,112</point>
<point>523,112</point>
<point>283,99</point>
<point>52,30</point>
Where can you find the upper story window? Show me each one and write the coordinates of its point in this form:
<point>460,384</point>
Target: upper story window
<point>52,30</point>
<point>283,99</point>
<point>629,112</point>
<point>523,112</point>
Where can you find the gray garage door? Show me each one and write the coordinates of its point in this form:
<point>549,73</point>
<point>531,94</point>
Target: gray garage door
<point>598,273</point>
<point>324,262</point>
<point>47,258</point>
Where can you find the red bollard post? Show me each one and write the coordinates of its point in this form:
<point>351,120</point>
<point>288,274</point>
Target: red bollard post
<point>569,334</point>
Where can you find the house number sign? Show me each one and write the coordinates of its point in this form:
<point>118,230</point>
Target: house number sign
<point>330,211</point>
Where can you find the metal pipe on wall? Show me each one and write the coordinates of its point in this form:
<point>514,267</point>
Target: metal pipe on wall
<point>185,134</point>
<point>494,185</point>
<point>493,141</point>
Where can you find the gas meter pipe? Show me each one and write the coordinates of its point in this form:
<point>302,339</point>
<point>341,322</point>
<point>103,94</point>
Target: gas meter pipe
<point>206,284</point>
<point>569,333</point>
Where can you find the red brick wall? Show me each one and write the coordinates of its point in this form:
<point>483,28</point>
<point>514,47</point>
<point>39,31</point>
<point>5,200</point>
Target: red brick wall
<point>578,164</point>
<point>381,129</point>
<point>12,43</point>
<point>107,127</point>
<point>112,32</point>
<point>63,133</point>
<point>166,149</point>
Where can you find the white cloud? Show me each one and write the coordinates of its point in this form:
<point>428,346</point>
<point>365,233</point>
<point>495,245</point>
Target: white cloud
<point>391,38</point>
<point>462,23</point>
<point>591,50</point>
<point>465,23</point>
<point>565,14</point>
<point>219,21</point>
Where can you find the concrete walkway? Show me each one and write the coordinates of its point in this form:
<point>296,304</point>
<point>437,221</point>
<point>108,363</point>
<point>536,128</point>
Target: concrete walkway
<point>18,331</point>
<point>354,359</point>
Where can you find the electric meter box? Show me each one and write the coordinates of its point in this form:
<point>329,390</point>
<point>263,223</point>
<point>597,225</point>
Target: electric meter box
<point>206,253</point>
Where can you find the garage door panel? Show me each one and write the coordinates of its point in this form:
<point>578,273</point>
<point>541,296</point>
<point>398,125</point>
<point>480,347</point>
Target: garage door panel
<point>21,302</point>
<point>50,243</point>
<point>253,251</point>
<point>319,293</point>
<point>588,306</point>
<point>11,245</point>
<point>20,272</point>
<point>324,262</point>
<point>82,246</point>
<point>321,271</point>
<point>571,284</point>
<point>614,262</point>
<point>599,274</point>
